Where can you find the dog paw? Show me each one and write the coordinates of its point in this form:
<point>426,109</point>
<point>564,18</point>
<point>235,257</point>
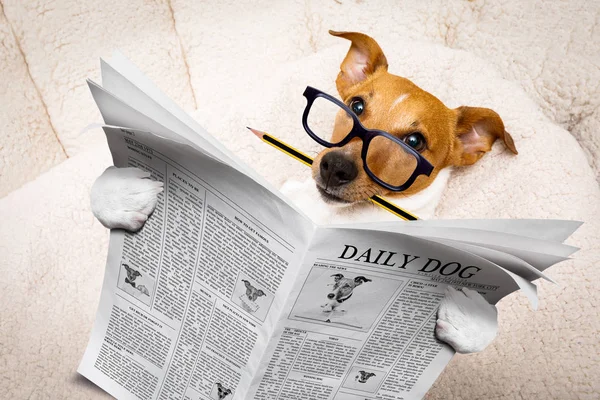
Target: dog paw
<point>123,198</point>
<point>466,321</point>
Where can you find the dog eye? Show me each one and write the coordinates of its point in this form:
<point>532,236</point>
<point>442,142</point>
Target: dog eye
<point>357,105</point>
<point>416,141</point>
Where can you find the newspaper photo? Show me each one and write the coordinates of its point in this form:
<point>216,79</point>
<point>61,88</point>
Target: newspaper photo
<point>230,292</point>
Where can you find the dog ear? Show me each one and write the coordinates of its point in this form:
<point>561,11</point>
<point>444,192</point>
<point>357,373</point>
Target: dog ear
<point>260,293</point>
<point>359,280</point>
<point>340,276</point>
<point>363,59</point>
<point>476,130</point>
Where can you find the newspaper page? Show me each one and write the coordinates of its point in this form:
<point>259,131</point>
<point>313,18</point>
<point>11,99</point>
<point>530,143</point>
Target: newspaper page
<point>359,323</point>
<point>189,302</point>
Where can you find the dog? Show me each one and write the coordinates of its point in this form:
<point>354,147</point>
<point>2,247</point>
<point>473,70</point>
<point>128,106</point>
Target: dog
<point>364,376</point>
<point>445,137</point>
<point>222,391</point>
<point>343,288</point>
<point>125,197</point>
<point>132,275</point>
<point>251,292</point>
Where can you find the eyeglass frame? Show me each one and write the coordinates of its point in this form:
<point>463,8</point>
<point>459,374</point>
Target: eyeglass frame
<point>423,167</point>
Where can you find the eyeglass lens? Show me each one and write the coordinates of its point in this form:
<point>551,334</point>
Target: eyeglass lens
<point>387,159</point>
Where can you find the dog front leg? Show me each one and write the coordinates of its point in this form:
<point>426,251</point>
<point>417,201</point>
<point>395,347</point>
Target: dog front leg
<point>123,198</point>
<point>466,321</point>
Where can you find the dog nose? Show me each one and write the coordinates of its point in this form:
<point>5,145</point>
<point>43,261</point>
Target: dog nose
<point>330,296</point>
<point>336,169</point>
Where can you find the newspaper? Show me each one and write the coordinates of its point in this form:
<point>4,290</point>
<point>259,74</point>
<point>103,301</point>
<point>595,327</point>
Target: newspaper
<point>230,292</point>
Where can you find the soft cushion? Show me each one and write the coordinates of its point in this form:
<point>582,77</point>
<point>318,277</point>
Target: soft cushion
<point>29,145</point>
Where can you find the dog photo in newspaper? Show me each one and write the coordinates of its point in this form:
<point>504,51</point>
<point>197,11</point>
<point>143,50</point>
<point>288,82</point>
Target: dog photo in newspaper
<point>364,376</point>
<point>363,379</point>
<point>350,300</point>
<point>251,297</point>
<point>220,392</point>
<point>135,284</point>
<point>252,293</point>
<point>342,290</point>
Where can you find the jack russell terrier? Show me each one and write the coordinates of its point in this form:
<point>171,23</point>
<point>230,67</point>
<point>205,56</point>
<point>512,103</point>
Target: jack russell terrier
<point>343,288</point>
<point>132,275</point>
<point>364,376</point>
<point>222,392</point>
<point>251,292</point>
<point>382,102</point>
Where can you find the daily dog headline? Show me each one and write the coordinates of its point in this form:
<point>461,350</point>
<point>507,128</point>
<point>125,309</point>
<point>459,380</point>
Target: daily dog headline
<point>393,259</point>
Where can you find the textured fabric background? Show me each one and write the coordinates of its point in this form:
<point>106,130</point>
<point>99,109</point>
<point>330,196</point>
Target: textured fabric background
<point>238,63</point>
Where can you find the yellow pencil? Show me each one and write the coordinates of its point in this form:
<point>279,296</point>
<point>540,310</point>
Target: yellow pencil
<point>303,158</point>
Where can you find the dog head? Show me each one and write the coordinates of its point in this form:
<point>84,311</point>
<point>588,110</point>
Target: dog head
<point>251,292</point>
<point>364,376</point>
<point>132,274</point>
<point>344,287</point>
<point>383,101</point>
<point>222,392</point>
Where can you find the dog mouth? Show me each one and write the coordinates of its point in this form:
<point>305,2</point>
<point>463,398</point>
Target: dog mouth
<point>332,198</point>
<point>345,195</point>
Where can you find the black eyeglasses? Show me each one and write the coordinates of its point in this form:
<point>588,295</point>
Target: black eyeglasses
<point>382,153</point>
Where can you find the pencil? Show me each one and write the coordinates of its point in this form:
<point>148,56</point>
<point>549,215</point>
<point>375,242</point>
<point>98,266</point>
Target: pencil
<point>304,159</point>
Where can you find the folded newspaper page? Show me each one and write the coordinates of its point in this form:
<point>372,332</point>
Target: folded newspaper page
<point>230,292</point>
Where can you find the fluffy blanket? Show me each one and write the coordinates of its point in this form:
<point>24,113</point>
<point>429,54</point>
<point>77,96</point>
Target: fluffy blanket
<point>242,64</point>
<point>192,49</point>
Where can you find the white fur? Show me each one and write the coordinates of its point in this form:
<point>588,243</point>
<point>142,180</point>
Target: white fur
<point>466,321</point>
<point>399,100</point>
<point>125,197</point>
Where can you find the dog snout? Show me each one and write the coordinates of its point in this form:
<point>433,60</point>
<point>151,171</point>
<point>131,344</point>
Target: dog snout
<point>337,169</point>
<point>330,296</point>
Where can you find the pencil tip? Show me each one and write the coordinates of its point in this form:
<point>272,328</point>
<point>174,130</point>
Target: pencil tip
<point>259,134</point>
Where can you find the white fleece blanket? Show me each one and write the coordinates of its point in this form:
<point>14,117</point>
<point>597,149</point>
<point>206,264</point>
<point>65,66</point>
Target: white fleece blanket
<point>190,48</point>
<point>252,71</point>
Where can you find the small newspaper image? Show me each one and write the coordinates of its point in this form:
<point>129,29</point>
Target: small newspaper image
<point>230,292</point>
